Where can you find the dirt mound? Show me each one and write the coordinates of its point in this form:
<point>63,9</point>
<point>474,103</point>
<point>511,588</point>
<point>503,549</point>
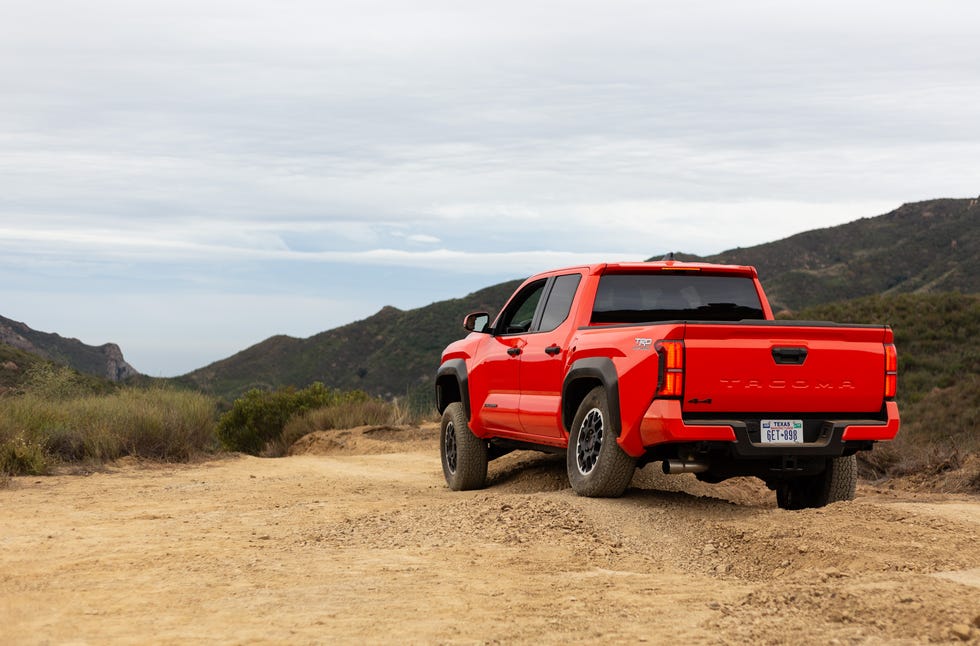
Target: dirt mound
<point>741,491</point>
<point>952,473</point>
<point>528,472</point>
<point>368,440</point>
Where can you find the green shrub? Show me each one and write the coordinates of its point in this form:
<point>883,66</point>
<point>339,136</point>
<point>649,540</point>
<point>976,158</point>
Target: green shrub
<point>257,419</point>
<point>56,382</point>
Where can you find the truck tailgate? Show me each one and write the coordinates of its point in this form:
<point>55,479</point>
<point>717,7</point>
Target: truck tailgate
<point>784,368</point>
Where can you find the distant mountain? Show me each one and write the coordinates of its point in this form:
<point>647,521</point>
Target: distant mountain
<point>929,246</point>
<point>924,247</point>
<point>105,361</point>
<point>391,354</point>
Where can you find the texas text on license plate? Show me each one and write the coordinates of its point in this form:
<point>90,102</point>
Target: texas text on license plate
<point>782,431</point>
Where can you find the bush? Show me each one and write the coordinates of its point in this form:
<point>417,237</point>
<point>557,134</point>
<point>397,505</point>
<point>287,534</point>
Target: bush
<point>257,419</point>
<point>55,382</point>
<point>22,458</point>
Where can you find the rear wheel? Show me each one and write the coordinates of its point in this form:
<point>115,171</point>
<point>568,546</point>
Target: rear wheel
<point>464,455</point>
<point>836,483</point>
<point>597,466</point>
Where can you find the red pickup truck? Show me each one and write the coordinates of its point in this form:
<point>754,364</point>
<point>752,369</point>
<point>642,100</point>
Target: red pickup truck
<point>620,365</point>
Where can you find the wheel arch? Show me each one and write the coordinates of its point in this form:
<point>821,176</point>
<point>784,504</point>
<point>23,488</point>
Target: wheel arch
<point>451,386</point>
<point>582,377</point>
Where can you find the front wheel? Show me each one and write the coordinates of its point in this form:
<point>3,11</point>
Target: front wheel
<point>837,482</point>
<point>597,466</point>
<point>464,455</point>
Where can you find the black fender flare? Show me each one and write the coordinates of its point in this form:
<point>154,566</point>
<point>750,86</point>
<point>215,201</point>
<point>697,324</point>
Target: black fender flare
<point>599,369</point>
<point>454,369</point>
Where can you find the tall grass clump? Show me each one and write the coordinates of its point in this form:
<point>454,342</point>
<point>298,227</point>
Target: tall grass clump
<point>420,404</point>
<point>41,428</point>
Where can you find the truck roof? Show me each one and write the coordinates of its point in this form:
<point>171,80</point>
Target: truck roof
<point>665,266</point>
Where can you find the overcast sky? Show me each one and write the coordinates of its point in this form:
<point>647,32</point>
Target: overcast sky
<point>187,178</point>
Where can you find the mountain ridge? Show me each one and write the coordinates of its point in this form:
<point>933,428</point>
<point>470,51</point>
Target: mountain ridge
<point>939,251</point>
<point>920,247</point>
<point>396,352</point>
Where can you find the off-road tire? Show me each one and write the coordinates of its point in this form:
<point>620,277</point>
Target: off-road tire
<point>464,455</point>
<point>597,466</point>
<point>836,483</point>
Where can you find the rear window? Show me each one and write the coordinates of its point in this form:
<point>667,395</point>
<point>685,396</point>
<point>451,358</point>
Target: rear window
<point>647,297</point>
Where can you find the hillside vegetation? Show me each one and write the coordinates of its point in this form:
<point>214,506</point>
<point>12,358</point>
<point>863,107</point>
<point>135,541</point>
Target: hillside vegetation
<point>929,246</point>
<point>939,378</point>
<point>391,354</point>
<point>20,370</point>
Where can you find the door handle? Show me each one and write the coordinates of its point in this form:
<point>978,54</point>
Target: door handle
<point>513,351</point>
<point>552,350</point>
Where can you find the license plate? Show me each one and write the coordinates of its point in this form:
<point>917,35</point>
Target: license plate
<point>782,431</point>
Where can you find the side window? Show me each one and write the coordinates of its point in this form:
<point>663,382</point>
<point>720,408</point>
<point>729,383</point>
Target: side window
<point>518,316</point>
<point>559,301</point>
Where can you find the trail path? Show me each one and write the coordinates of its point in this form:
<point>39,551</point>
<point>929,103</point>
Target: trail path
<point>358,540</point>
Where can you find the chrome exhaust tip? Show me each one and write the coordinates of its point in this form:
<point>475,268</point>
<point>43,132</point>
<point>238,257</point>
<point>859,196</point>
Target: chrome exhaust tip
<point>681,466</point>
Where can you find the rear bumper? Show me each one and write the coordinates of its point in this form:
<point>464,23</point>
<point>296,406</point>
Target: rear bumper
<point>663,423</point>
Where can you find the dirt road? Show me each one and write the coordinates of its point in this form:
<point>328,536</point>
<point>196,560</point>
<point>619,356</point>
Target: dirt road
<point>358,540</point>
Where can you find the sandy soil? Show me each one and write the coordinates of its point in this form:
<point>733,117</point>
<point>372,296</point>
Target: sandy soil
<point>356,539</point>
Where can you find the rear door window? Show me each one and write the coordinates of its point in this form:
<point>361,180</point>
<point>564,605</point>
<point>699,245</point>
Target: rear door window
<point>559,301</point>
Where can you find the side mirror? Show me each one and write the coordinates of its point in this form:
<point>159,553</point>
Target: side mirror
<point>476,322</point>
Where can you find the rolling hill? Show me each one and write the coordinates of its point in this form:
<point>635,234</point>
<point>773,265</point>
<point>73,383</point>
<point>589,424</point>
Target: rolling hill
<point>390,354</point>
<point>925,247</point>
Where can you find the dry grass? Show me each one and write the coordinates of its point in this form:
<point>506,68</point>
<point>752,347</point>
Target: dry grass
<point>37,432</point>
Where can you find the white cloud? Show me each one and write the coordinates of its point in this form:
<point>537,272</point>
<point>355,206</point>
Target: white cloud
<point>109,246</point>
<point>422,238</point>
<point>151,140</point>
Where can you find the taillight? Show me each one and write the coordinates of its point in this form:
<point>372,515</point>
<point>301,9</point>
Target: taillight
<point>670,378</point>
<point>891,371</point>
